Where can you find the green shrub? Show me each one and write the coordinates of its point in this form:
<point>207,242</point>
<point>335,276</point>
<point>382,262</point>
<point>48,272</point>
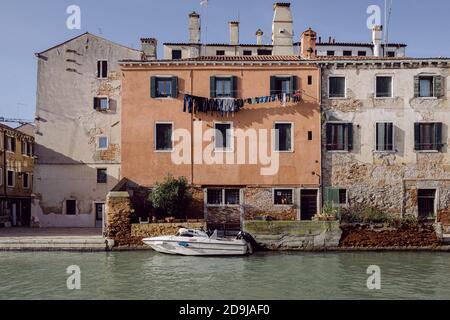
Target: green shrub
<point>172,196</point>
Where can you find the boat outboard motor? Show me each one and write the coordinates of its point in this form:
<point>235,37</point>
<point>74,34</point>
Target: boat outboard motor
<point>251,242</point>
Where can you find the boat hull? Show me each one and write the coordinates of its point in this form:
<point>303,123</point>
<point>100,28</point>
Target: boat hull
<point>197,247</point>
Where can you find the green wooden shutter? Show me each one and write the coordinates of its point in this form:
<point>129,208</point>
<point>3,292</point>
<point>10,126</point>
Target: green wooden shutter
<point>437,86</point>
<point>416,86</point>
<point>234,88</point>
<point>212,87</point>
<point>417,145</point>
<point>153,87</point>
<point>174,93</point>
<point>349,136</point>
<point>273,81</point>
<point>438,133</point>
<point>293,81</point>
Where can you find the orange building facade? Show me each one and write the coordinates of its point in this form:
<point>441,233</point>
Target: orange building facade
<point>261,160</point>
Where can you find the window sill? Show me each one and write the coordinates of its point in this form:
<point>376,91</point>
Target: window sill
<point>164,98</point>
<point>338,151</point>
<point>427,98</point>
<point>223,205</point>
<point>224,150</point>
<point>384,98</point>
<point>337,98</point>
<point>164,151</point>
<point>426,151</point>
<point>384,152</point>
<point>289,151</point>
<point>284,205</point>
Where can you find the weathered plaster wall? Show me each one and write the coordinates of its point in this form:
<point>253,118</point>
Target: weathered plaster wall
<point>387,181</point>
<point>68,127</point>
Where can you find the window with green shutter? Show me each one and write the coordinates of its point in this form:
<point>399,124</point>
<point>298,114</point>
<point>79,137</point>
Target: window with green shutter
<point>283,84</point>
<point>428,86</point>
<point>164,87</point>
<point>223,87</point>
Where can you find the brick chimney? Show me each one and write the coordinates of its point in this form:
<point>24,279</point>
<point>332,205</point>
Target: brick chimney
<point>308,44</point>
<point>194,28</point>
<point>259,37</point>
<point>234,33</point>
<point>377,38</point>
<point>149,48</point>
<point>282,29</point>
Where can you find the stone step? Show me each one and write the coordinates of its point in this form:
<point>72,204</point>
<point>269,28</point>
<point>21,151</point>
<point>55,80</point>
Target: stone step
<point>53,244</point>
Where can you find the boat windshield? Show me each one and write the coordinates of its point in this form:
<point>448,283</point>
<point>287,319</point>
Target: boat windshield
<point>190,233</point>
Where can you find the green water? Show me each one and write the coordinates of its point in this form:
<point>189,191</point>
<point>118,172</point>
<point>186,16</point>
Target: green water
<point>148,275</point>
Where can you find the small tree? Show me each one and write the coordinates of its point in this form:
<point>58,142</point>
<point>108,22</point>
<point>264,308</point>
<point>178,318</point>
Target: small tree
<point>172,196</point>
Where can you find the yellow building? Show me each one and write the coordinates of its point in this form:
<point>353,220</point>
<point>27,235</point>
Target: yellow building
<point>16,176</point>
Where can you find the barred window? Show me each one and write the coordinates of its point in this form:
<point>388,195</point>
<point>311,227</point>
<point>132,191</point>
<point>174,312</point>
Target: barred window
<point>214,196</point>
<point>283,197</point>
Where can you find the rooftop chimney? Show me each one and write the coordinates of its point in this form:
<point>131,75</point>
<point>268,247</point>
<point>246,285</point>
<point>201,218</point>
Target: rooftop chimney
<point>377,38</point>
<point>259,35</point>
<point>234,33</point>
<point>282,29</point>
<point>194,28</point>
<point>149,48</point>
<point>308,44</point>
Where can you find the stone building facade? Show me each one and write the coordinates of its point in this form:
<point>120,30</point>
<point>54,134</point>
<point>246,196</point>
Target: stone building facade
<point>385,134</point>
<point>77,130</point>
<point>16,177</point>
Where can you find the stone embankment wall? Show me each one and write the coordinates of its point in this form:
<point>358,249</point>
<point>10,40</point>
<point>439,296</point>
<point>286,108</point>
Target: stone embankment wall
<point>141,231</point>
<point>295,235</point>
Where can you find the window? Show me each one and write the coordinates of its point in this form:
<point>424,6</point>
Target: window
<point>427,86</point>
<point>428,136</point>
<point>71,207</point>
<point>264,52</point>
<point>164,87</point>
<point>220,52</point>
<point>310,80</point>
<point>339,136</point>
<point>101,103</point>
<point>102,175</point>
<point>283,197</point>
<point>390,54</point>
<point>330,53</point>
<point>102,69</point>
<point>103,143</point>
<point>362,53</point>
<point>223,87</point>
<point>163,137</point>
<point>220,197</point>
<point>248,52</point>
<point>384,87</point>
<point>348,53</point>
<point>25,180</point>
<point>11,179</point>
<point>336,87</point>
<point>1,176</point>
<point>30,149</point>
<point>283,84</point>
<point>283,137</point>
<point>223,136</point>
<point>385,136</point>
<point>426,199</point>
<point>10,144</point>
<point>310,135</point>
<point>176,54</point>
<point>342,196</point>
<point>24,147</point>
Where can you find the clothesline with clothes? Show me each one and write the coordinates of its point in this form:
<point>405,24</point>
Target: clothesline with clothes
<point>225,106</point>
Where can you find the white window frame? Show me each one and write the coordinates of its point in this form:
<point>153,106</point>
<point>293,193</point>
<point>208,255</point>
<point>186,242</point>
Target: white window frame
<point>345,86</point>
<point>99,76</point>
<point>223,204</point>
<point>23,180</point>
<point>231,148</point>
<point>274,145</point>
<point>13,179</point>
<point>428,75</point>
<point>24,150</point>
<point>98,143</point>
<point>9,146</point>
<point>283,205</point>
<point>107,99</point>
<point>394,147</point>
<point>392,86</point>
<point>155,142</point>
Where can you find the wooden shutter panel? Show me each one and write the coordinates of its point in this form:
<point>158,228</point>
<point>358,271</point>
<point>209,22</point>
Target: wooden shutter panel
<point>153,87</point>
<point>174,93</point>
<point>416,86</point>
<point>212,87</point>
<point>417,145</point>
<point>349,136</point>
<point>438,133</point>
<point>96,103</point>
<point>437,86</point>
<point>293,82</point>
<point>273,81</point>
<point>328,137</point>
<point>234,88</point>
<point>99,69</point>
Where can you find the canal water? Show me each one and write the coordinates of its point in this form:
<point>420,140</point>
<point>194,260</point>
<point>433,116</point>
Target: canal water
<point>148,275</point>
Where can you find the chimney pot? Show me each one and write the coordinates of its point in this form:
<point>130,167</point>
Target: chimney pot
<point>377,39</point>
<point>259,36</point>
<point>194,28</point>
<point>308,44</point>
<point>149,48</point>
<point>234,32</point>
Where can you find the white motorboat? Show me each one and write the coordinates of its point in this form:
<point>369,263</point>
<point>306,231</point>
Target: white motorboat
<point>189,242</point>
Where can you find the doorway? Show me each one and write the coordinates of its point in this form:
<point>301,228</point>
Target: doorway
<point>427,204</point>
<point>308,204</point>
<point>99,214</point>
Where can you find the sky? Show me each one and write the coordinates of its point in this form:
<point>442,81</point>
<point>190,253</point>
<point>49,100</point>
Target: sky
<point>28,26</point>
